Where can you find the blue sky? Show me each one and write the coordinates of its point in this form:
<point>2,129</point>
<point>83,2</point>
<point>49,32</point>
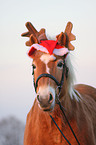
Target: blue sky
<point>16,87</point>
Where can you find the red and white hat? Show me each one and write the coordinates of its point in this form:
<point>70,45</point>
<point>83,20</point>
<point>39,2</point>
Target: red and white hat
<point>49,46</point>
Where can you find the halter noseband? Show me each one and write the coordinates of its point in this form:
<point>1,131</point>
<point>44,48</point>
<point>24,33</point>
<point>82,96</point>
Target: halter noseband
<point>53,78</point>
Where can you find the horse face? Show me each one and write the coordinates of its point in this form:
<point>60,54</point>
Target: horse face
<point>47,89</point>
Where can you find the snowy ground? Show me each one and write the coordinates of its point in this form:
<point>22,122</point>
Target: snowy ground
<point>11,131</point>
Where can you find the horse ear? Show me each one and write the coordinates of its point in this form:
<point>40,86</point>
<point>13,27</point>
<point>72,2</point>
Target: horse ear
<point>61,39</point>
<point>33,39</point>
<point>65,37</point>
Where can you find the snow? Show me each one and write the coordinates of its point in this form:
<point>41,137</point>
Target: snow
<point>11,131</point>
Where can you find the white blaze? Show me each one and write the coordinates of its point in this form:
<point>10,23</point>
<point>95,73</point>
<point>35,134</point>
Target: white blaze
<point>46,58</point>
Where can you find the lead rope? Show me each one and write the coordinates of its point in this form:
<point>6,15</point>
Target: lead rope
<point>60,130</point>
<point>68,124</point>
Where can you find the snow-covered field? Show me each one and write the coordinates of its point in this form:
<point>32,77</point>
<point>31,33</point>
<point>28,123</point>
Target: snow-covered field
<point>11,131</point>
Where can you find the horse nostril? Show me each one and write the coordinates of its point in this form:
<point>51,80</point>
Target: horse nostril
<point>38,98</point>
<point>50,98</point>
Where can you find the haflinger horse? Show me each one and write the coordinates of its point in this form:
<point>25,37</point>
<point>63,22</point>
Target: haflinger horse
<point>62,113</point>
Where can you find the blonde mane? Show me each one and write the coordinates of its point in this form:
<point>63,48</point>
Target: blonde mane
<point>74,94</point>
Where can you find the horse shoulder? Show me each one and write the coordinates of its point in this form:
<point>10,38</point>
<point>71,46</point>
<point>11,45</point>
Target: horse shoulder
<point>88,101</point>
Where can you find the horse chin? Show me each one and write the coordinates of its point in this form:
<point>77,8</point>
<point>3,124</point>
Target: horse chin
<point>46,109</point>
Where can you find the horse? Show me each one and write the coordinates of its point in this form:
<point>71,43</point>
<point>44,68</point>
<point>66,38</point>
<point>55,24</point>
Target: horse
<point>63,113</point>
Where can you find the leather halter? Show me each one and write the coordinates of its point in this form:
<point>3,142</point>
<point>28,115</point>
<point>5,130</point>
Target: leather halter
<point>53,78</point>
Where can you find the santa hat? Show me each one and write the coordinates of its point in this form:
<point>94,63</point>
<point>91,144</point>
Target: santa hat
<point>49,46</point>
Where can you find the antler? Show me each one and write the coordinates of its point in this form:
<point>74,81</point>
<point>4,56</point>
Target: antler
<point>33,34</point>
<point>65,38</point>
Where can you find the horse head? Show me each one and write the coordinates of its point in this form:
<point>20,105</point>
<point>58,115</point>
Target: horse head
<point>50,68</point>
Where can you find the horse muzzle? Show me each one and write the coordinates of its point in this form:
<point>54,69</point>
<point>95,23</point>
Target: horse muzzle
<point>46,98</point>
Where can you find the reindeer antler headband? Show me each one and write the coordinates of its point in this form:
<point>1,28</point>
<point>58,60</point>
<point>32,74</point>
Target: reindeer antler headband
<point>39,41</point>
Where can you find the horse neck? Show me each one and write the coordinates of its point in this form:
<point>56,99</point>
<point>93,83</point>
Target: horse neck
<point>67,104</point>
<point>70,100</point>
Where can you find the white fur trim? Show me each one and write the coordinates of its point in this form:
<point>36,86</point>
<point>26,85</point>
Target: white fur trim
<point>59,52</point>
<point>40,47</point>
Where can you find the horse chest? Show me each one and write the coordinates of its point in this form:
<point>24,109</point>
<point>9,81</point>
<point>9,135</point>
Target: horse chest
<point>44,133</point>
<point>48,133</point>
<point>41,130</point>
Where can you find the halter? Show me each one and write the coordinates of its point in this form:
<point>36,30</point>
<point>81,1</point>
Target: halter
<point>59,85</point>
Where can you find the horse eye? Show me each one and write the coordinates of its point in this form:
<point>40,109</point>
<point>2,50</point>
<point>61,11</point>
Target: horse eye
<point>60,64</point>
